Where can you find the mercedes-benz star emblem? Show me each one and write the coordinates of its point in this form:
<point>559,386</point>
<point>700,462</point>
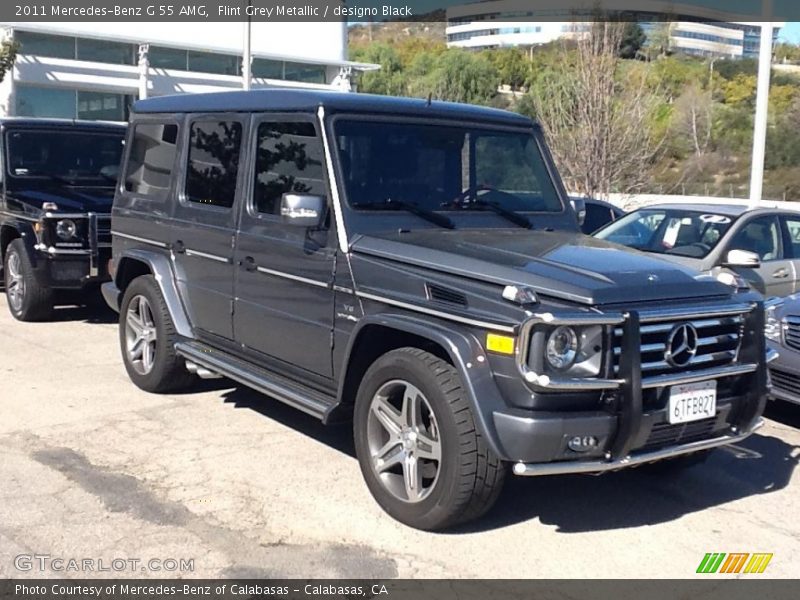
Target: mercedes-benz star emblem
<point>681,345</point>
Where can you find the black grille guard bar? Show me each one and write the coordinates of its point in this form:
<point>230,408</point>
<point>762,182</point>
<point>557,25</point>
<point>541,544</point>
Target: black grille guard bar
<point>752,358</point>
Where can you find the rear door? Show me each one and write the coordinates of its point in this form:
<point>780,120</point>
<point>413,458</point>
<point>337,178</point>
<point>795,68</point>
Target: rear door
<point>763,235</point>
<point>204,221</point>
<point>284,274</point>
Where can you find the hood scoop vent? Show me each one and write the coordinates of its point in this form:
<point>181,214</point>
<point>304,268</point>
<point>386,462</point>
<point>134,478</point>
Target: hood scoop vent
<point>438,293</point>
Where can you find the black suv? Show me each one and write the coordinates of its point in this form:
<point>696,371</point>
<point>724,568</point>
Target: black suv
<point>416,266</point>
<point>58,180</point>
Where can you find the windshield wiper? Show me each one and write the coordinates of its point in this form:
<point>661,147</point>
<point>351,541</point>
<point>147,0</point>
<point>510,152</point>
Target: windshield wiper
<point>512,216</point>
<point>414,209</point>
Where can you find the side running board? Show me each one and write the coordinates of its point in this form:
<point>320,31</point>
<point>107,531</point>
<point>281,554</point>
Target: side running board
<point>310,401</point>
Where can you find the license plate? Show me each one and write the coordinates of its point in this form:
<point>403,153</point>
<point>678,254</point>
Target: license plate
<point>692,401</point>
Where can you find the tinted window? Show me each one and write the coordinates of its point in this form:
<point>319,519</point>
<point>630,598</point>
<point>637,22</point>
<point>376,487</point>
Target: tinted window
<point>442,167</point>
<point>596,217</point>
<point>58,155</point>
<point>40,44</point>
<point>151,158</point>
<point>105,52</point>
<point>213,162</point>
<point>288,159</point>
<point>761,236</point>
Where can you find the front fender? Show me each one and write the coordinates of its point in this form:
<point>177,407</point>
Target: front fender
<point>160,266</point>
<point>466,354</point>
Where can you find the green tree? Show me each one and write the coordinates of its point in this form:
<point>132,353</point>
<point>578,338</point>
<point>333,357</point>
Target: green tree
<point>389,79</point>
<point>8,54</point>
<point>633,38</point>
<point>512,65</point>
<point>456,75</point>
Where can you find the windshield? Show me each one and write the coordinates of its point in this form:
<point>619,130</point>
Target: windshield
<point>442,167</point>
<point>669,231</point>
<point>66,156</point>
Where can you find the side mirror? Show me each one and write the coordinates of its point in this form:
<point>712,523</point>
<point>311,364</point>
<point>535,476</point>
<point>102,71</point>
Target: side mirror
<point>303,210</point>
<point>579,206</point>
<point>742,258</point>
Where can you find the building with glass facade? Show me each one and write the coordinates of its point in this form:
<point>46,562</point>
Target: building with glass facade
<point>91,71</point>
<point>692,29</point>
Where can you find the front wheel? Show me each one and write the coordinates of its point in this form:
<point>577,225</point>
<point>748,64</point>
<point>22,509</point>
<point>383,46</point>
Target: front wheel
<point>28,300</point>
<point>419,450</point>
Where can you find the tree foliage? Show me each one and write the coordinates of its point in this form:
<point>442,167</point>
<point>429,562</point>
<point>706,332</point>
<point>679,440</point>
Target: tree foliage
<point>8,54</point>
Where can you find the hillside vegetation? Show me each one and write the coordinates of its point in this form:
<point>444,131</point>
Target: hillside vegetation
<point>681,124</point>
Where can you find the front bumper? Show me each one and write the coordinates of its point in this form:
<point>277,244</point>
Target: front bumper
<point>629,420</point>
<point>597,466</point>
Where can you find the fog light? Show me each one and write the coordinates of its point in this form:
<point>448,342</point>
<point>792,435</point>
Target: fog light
<point>582,443</point>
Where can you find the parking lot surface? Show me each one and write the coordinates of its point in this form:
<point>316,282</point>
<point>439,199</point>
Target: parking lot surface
<point>93,468</point>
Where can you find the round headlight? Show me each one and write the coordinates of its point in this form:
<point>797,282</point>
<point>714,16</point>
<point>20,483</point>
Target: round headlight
<point>562,347</point>
<point>66,229</point>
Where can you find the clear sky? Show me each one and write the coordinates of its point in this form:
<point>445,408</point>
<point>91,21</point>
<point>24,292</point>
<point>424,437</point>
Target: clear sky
<point>791,32</point>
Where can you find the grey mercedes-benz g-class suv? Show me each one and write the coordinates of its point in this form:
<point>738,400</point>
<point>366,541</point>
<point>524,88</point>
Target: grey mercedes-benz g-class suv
<point>416,266</point>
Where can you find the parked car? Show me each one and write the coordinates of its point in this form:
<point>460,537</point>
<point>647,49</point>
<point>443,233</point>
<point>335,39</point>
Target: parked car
<point>599,213</point>
<point>57,188</point>
<point>416,266</point>
<point>783,336</point>
<point>731,242</point>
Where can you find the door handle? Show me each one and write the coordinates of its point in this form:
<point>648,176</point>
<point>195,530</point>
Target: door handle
<point>248,263</point>
<point>781,274</point>
<point>178,247</point>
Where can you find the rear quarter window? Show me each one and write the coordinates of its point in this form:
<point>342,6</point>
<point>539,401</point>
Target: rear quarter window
<point>151,159</point>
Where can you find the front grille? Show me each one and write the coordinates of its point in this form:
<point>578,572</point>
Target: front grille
<point>665,434</point>
<point>785,382</point>
<point>791,333</point>
<point>718,341</point>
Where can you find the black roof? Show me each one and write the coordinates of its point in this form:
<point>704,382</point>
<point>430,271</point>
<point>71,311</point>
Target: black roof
<point>291,100</point>
<point>34,123</point>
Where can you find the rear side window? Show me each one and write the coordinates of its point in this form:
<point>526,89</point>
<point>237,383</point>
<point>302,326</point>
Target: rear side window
<point>214,148</point>
<point>151,159</point>
<point>288,160</point>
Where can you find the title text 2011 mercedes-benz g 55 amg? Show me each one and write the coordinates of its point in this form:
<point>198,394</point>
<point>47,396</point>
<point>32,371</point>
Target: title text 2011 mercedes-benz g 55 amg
<point>416,265</point>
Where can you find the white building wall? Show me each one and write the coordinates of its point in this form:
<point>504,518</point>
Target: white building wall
<point>322,43</point>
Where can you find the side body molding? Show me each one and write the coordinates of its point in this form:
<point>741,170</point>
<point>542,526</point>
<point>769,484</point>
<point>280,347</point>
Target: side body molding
<point>161,268</point>
<point>464,351</point>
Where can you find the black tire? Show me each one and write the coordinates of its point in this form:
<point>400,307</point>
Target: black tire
<point>470,477</point>
<point>36,301</point>
<point>168,370</point>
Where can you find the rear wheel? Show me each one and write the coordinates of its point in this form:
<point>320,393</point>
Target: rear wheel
<point>147,339</point>
<point>27,299</point>
<point>419,450</point>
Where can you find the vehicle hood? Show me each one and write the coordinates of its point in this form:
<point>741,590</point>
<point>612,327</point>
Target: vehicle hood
<point>68,199</point>
<point>565,265</point>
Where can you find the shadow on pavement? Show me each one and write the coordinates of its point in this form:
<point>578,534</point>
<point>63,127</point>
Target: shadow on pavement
<point>784,412</point>
<point>578,503</point>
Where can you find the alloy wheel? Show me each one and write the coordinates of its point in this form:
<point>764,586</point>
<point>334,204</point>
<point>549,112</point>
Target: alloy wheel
<point>403,438</point>
<point>140,335</point>
<point>15,282</point>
